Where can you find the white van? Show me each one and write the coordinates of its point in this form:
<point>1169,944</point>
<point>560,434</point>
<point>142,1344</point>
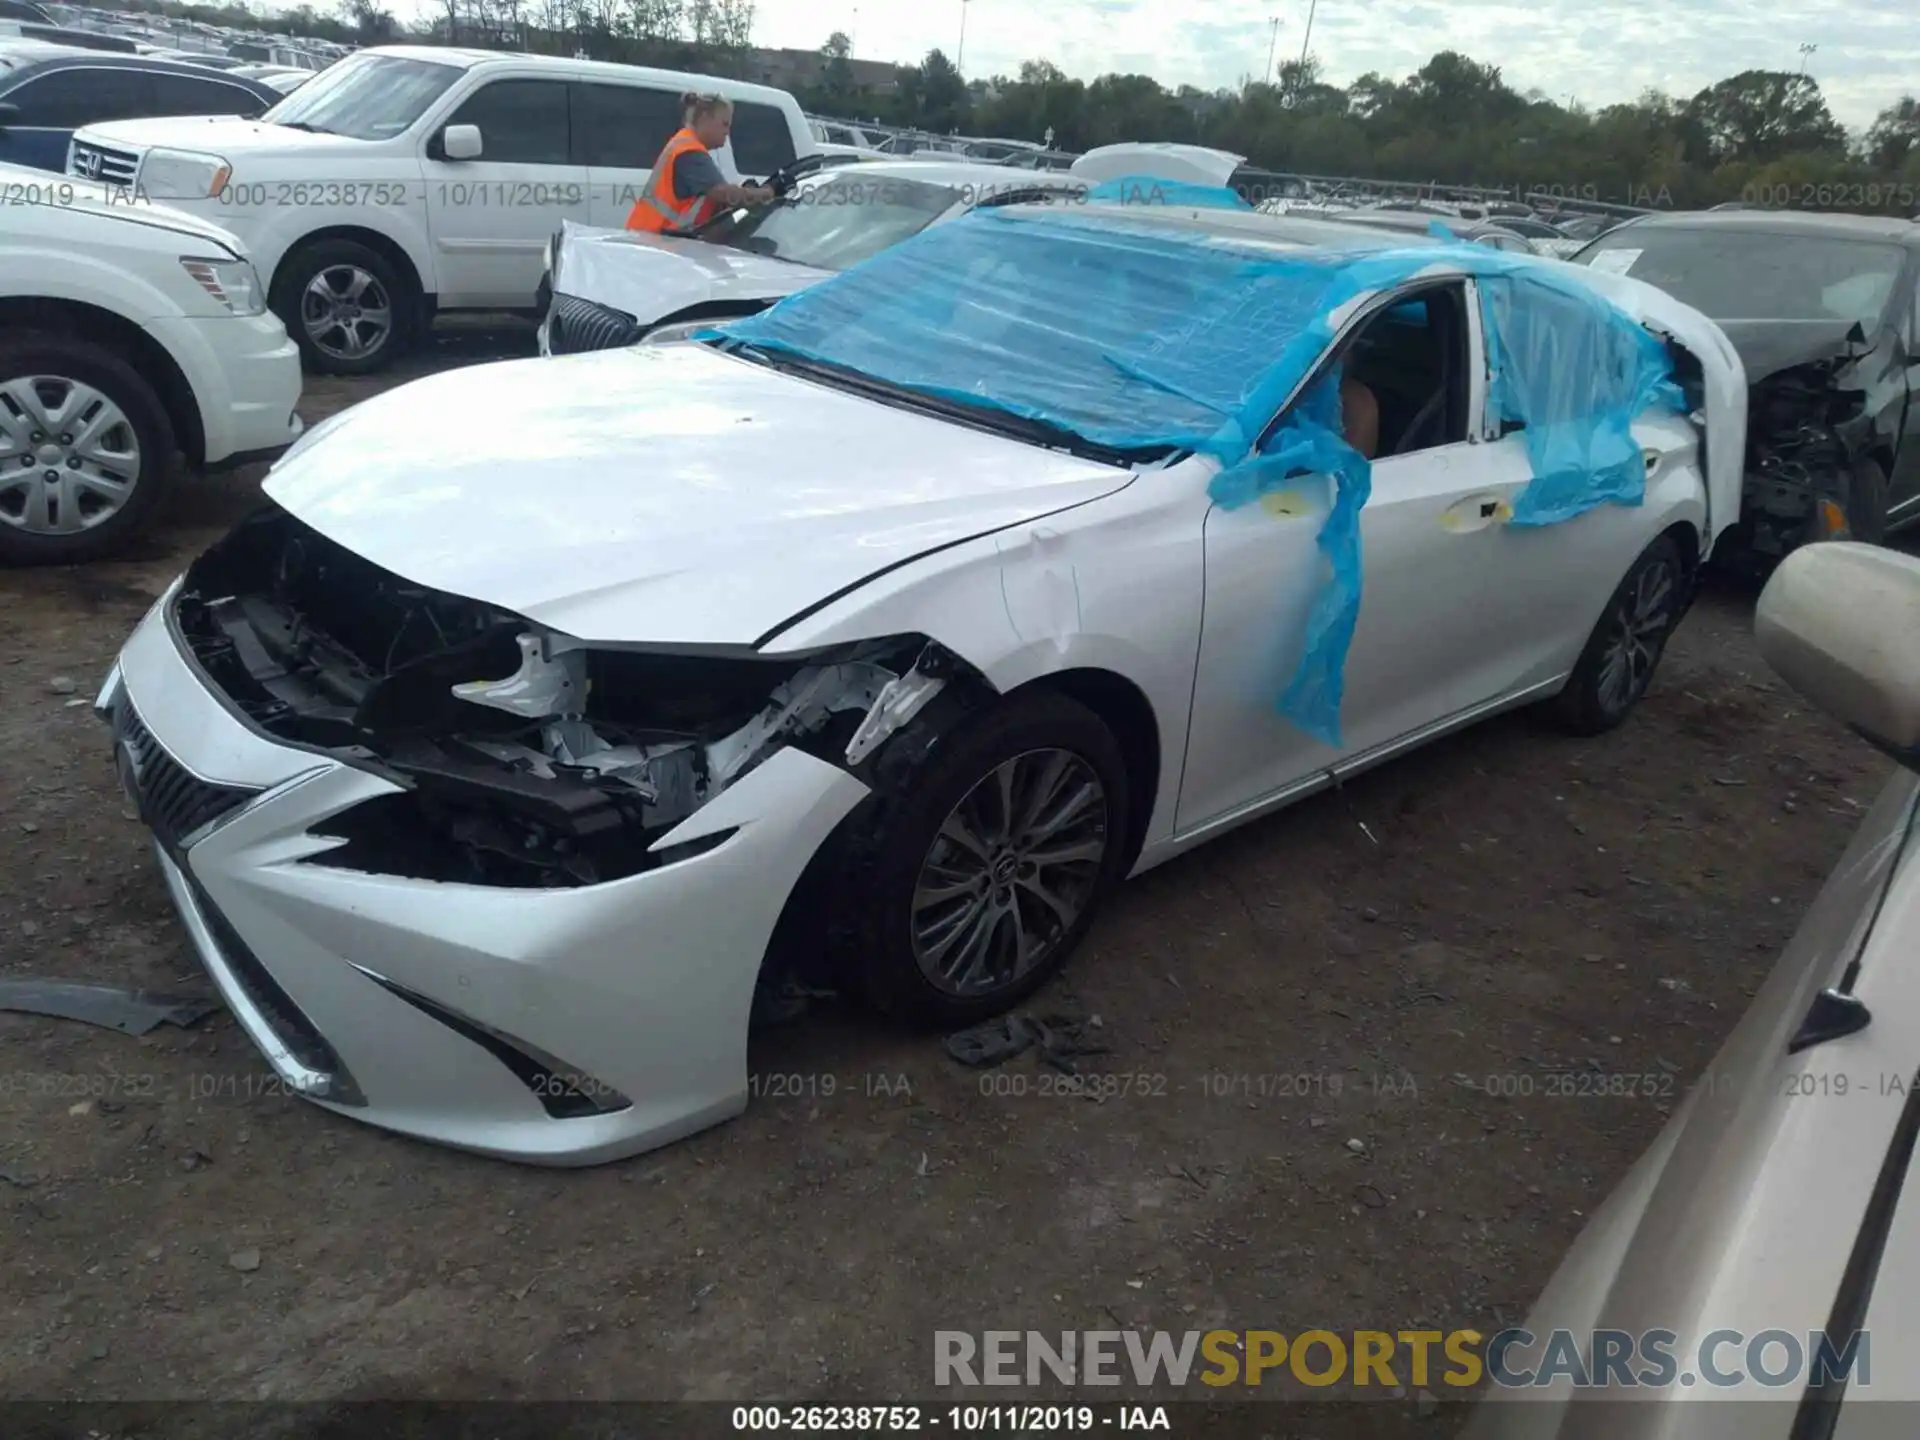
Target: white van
<point>406,180</point>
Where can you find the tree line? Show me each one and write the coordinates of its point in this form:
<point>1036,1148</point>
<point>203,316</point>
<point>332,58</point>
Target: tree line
<point>1760,135</point>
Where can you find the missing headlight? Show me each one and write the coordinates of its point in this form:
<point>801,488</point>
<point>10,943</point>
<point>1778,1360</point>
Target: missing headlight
<point>528,759</point>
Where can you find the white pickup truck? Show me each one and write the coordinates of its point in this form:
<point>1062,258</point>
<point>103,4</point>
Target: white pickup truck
<point>407,180</point>
<point>128,333</point>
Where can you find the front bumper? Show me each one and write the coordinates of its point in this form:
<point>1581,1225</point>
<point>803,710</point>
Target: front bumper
<point>459,1013</point>
<point>245,375</point>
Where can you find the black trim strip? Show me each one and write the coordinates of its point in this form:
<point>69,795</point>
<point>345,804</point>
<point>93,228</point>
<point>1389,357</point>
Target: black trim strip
<point>1819,1411</point>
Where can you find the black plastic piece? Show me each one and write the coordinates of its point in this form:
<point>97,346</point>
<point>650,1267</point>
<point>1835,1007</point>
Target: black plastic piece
<point>1832,1016</point>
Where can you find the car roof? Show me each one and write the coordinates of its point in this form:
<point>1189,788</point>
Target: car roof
<point>1251,228</point>
<point>1780,222</point>
<point>32,57</point>
<point>960,171</point>
<point>585,69</point>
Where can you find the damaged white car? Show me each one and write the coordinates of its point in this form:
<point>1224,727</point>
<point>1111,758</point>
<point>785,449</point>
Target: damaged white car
<point>548,712</point>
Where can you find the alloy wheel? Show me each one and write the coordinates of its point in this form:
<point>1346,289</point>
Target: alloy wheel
<point>1636,634</point>
<point>347,312</point>
<point>1010,872</point>
<point>69,456</point>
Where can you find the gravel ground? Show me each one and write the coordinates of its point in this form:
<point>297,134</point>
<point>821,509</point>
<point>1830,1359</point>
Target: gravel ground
<point>1315,1013</point>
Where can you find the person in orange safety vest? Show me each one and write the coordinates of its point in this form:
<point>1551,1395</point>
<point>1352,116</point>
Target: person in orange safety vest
<point>686,187</point>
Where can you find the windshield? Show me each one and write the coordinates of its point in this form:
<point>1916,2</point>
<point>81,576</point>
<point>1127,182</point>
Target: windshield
<point>1754,275</point>
<point>369,97</point>
<point>835,224</point>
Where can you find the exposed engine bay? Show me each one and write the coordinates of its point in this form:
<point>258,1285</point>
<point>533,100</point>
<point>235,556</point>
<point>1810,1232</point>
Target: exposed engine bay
<point>1797,454</point>
<point>528,758</point>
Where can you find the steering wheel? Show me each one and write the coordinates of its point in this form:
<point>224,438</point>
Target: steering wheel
<point>1427,418</point>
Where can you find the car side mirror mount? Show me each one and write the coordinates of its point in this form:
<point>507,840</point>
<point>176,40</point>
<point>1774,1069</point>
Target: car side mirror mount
<point>461,142</point>
<point>1836,622</point>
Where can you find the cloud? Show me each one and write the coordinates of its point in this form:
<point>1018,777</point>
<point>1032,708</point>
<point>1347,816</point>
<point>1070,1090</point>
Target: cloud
<point>1601,51</point>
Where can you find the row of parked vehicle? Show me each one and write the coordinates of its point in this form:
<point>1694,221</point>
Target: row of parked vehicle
<point>860,612</point>
<point>407,181</point>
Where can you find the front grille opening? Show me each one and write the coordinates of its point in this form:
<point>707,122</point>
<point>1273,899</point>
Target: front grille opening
<point>101,162</point>
<point>575,325</point>
<point>175,803</point>
<point>565,1093</point>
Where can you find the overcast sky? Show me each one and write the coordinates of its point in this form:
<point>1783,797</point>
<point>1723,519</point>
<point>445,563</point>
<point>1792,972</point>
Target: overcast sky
<point>1599,51</point>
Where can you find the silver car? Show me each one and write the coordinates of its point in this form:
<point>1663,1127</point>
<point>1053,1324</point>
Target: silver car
<point>1770,1238</point>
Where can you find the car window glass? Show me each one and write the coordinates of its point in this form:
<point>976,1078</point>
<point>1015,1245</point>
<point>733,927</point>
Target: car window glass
<point>190,95</point>
<point>1404,376</point>
<point>762,143</point>
<point>622,127</point>
<point>834,223</point>
<point>522,122</point>
<point>68,99</point>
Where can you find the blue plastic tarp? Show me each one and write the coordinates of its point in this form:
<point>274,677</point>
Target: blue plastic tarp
<point>1148,338</point>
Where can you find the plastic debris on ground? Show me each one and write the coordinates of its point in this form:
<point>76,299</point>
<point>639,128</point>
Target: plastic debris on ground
<point>1060,1039</point>
<point>1149,339</point>
<point>132,1012</point>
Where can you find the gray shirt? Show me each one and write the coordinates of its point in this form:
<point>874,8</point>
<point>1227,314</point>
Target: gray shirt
<point>695,173</point>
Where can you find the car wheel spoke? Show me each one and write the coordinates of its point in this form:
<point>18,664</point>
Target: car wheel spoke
<point>1009,873</point>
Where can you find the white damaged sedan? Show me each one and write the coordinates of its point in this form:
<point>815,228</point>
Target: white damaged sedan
<point>550,710</point>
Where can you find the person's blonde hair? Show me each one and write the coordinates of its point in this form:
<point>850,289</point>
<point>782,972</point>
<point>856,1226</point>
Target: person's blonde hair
<point>697,107</point>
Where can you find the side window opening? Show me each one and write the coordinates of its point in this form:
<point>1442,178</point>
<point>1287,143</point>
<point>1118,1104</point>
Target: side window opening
<point>1407,369</point>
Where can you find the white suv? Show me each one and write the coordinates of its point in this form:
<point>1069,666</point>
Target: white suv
<point>409,179</point>
<point>127,333</point>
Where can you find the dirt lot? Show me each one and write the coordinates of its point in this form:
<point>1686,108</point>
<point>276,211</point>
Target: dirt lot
<point>1505,903</point>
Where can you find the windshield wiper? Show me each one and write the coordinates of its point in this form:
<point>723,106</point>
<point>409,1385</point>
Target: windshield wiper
<point>311,129</point>
<point>1043,433</point>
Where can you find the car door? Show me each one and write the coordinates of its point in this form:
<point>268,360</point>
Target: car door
<point>618,132</point>
<point>490,217</point>
<point>204,95</point>
<point>54,103</point>
<point>1428,644</point>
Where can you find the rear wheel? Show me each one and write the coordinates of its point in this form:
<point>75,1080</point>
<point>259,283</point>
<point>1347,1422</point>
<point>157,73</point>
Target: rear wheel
<point>85,450</point>
<point>984,858</point>
<point>1618,662</point>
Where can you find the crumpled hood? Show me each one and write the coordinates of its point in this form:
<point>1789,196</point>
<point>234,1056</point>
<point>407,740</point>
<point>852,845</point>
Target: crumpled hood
<point>653,279</point>
<point>1769,346</point>
<point>658,494</point>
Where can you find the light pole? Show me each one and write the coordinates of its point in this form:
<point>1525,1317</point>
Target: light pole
<point>960,55</point>
<point>1273,39</point>
<point>853,34</point>
<point>1306,39</point>
<point>1806,52</point>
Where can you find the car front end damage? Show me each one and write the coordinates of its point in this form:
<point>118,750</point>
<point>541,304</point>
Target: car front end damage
<point>1822,430</point>
<point>1807,428</point>
<point>470,879</point>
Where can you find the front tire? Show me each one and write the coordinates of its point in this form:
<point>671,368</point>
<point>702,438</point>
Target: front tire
<point>983,858</point>
<point>1867,502</point>
<point>86,451</point>
<point>346,306</point>
<point>1621,654</point>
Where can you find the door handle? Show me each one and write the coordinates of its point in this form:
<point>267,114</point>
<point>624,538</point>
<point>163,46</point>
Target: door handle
<point>1476,512</point>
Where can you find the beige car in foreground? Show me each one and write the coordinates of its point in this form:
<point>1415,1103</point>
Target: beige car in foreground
<point>1765,1252</point>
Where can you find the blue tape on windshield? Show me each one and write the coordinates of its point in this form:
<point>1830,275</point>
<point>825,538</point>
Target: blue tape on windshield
<point>1146,190</point>
<point>1146,339</point>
